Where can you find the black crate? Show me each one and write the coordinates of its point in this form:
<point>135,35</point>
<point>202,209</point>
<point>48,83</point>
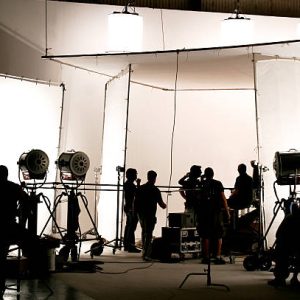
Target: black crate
<point>181,220</point>
<point>182,240</point>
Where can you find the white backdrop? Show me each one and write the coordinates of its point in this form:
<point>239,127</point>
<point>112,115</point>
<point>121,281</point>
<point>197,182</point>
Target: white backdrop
<point>212,128</point>
<point>279,122</point>
<point>29,119</point>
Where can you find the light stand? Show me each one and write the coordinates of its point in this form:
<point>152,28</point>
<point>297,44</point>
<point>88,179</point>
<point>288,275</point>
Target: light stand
<point>207,273</point>
<point>117,240</point>
<point>73,167</point>
<point>286,166</point>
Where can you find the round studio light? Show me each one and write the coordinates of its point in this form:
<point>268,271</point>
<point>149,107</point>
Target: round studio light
<point>73,165</point>
<point>287,167</point>
<point>34,164</point>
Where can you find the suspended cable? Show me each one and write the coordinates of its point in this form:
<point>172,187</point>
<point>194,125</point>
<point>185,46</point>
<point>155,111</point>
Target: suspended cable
<point>162,29</point>
<point>173,128</point>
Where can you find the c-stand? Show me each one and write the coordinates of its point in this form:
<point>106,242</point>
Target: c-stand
<point>207,273</point>
<point>263,258</point>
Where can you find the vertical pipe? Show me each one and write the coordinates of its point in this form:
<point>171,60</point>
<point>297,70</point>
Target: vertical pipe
<point>63,87</point>
<point>125,143</point>
<point>46,27</point>
<point>261,187</point>
<point>256,107</point>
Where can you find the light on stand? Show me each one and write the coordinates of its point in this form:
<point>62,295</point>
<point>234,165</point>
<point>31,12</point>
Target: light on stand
<point>237,28</point>
<point>73,165</point>
<point>125,30</point>
<point>34,164</point>
<point>287,167</point>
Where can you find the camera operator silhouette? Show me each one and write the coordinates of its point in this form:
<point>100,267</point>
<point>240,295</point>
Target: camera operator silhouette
<point>13,233</point>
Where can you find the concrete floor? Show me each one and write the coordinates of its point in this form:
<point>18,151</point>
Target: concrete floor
<point>126,276</point>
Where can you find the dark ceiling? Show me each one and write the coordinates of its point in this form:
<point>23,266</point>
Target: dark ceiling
<point>281,8</point>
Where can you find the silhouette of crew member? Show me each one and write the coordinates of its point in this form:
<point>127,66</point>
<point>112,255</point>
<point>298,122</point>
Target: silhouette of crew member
<point>210,216</point>
<point>147,197</point>
<point>242,195</point>
<point>287,248</point>
<point>190,188</point>
<point>131,214</point>
<point>13,233</point>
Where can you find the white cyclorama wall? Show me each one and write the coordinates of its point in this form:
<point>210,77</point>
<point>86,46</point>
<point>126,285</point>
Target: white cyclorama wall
<point>279,124</point>
<point>29,119</point>
<point>212,129</point>
<point>81,28</point>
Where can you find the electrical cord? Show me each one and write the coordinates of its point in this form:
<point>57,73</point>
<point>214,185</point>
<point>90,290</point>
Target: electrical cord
<point>126,271</point>
<point>173,127</point>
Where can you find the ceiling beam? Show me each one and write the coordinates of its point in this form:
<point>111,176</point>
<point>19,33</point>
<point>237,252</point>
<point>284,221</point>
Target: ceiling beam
<point>280,8</point>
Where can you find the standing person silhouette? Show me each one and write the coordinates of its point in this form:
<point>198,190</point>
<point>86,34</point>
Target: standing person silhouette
<point>131,214</point>
<point>190,188</point>
<point>210,216</point>
<point>13,233</point>
<point>147,198</point>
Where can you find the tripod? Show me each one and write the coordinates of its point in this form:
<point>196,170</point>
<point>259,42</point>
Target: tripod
<point>207,273</point>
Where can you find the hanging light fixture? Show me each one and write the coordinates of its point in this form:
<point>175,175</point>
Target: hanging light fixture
<point>125,30</point>
<point>237,29</point>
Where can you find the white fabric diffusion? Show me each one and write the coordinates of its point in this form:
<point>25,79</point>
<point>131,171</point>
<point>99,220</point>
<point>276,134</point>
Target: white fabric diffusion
<point>113,151</point>
<point>279,123</point>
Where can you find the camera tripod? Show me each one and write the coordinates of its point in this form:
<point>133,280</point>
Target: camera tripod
<point>207,273</point>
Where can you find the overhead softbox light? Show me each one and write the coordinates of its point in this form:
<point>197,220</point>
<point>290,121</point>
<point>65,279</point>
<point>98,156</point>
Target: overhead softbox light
<point>237,29</point>
<point>125,31</point>
<point>73,165</point>
<point>34,164</point>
